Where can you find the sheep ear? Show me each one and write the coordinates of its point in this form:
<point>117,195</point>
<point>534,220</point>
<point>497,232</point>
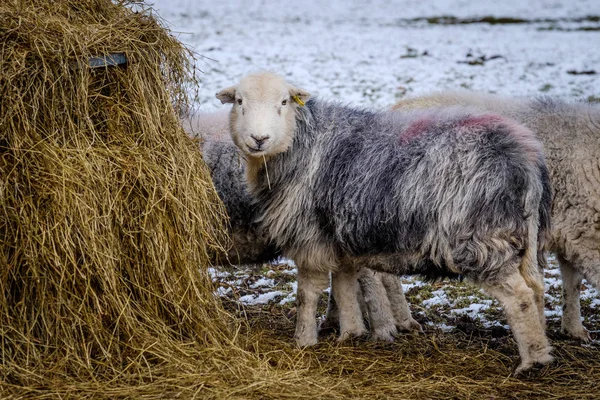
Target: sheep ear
<point>227,95</point>
<point>300,96</point>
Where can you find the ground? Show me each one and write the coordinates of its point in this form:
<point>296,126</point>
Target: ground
<point>440,307</point>
<point>372,54</point>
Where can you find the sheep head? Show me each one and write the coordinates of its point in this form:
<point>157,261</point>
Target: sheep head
<point>263,115</point>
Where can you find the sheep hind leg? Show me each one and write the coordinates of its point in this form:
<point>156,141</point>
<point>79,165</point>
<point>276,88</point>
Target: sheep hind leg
<point>311,284</point>
<point>534,279</point>
<point>571,320</point>
<point>331,321</point>
<point>403,318</point>
<point>381,317</point>
<point>345,287</point>
<point>522,312</point>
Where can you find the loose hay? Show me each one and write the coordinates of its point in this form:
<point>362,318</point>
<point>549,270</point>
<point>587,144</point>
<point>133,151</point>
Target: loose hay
<point>107,217</point>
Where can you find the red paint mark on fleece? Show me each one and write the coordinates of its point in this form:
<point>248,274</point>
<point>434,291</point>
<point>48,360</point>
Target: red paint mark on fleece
<point>481,121</point>
<point>415,129</point>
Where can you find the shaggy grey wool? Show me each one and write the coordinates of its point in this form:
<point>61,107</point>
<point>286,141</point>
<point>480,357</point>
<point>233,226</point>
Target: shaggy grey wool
<point>437,192</point>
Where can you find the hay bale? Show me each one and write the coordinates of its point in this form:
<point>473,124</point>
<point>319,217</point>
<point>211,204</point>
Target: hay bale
<point>107,211</point>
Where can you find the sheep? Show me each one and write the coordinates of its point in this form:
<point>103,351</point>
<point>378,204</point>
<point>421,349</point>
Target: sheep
<point>569,133</point>
<point>436,192</point>
<point>251,246</point>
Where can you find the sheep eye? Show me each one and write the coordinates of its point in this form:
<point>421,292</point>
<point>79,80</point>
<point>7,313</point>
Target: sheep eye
<point>284,102</point>
<point>239,101</point>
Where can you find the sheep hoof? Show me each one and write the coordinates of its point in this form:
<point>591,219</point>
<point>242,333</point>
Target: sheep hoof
<point>538,363</point>
<point>383,335</point>
<point>306,340</point>
<point>578,333</point>
<point>521,369</point>
<point>329,325</point>
<point>410,325</point>
<point>351,334</point>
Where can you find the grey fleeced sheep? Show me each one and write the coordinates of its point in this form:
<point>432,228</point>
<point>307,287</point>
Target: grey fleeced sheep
<point>437,193</point>
<point>570,134</point>
<point>251,245</point>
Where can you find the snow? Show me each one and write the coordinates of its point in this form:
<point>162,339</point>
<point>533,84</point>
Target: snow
<point>473,310</point>
<point>214,273</point>
<point>373,53</point>
<point>222,291</point>
<point>438,297</point>
<point>291,297</point>
<point>262,282</point>
<point>443,327</point>
<point>370,53</point>
<point>264,298</point>
<point>413,284</point>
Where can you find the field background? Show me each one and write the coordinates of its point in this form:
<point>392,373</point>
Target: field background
<point>372,53</point>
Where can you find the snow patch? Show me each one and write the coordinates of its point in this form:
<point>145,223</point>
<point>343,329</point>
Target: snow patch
<point>263,282</point>
<point>264,298</point>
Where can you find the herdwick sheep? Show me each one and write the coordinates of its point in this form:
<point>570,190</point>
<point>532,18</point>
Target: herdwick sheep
<point>251,245</point>
<point>436,192</point>
<point>569,133</point>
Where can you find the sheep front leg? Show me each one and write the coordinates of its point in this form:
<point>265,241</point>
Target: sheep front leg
<point>519,303</point>
<point>571,319</point>
<point>346,291</point>
<point>311,283</point>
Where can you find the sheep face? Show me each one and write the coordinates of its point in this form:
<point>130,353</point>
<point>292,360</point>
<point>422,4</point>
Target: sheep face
<point>263,115</point>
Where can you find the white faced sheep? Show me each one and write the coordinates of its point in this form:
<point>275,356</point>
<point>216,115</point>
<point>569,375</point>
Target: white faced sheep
<point>570,134</point>
<point>251,245</point>
<point>437,193</point>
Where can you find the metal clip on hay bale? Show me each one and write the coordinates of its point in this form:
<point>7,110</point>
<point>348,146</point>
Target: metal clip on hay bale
<point>110,60</point>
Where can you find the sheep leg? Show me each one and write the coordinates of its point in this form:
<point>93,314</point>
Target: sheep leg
<point>345,288</point>
<point>519,302</point>
<point>535,281</point>
<point>404,320</point>
<point>571,319</point>
<point>311,283</point>
<point>331,322</point>
<point>381,317</point>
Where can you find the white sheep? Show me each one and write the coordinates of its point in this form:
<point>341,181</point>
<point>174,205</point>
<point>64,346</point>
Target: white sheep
<point>438,193</point>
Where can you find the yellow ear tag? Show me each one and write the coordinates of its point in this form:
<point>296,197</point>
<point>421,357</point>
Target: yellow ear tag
<point>297,100</point>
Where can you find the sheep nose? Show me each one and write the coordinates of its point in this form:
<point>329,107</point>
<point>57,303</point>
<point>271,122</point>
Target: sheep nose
<point>259,139</point>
